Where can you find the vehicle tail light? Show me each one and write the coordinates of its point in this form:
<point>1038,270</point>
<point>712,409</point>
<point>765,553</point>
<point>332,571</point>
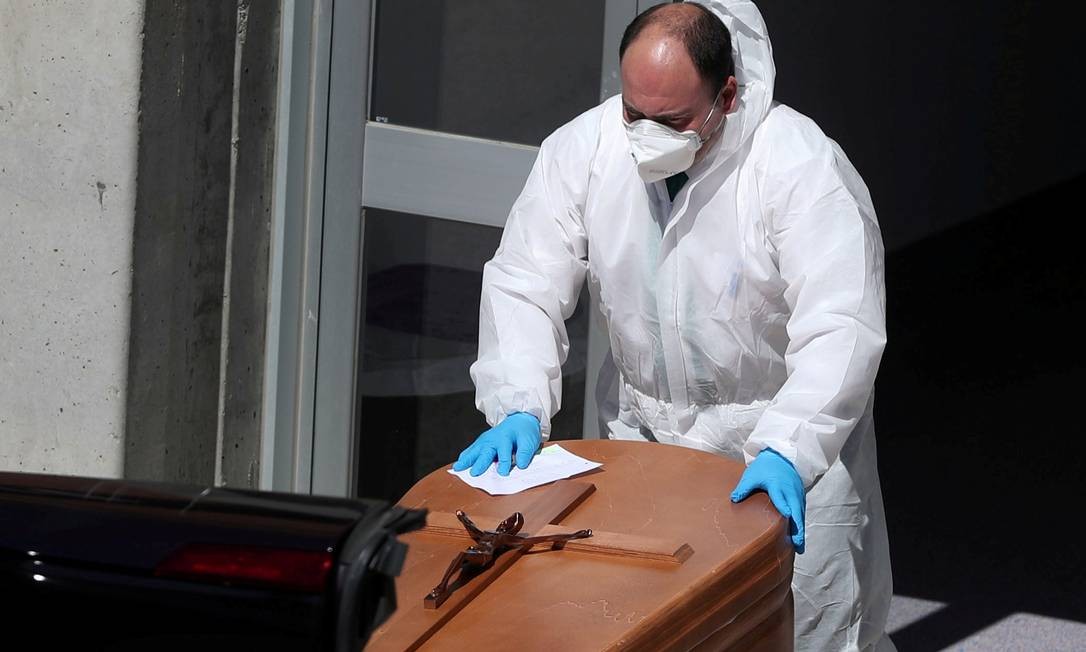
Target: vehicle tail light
<point>292,570</point>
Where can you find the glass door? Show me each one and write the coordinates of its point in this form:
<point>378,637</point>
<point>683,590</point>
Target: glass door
<point>462,93</point>
<point>412,127</point>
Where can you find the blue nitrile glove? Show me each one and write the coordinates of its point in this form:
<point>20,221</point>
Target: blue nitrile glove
<point>519,431</point>
<point>775,475</point>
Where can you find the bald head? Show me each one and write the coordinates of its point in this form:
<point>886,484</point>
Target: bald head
<point>687,29</point>
<point>677,71</point>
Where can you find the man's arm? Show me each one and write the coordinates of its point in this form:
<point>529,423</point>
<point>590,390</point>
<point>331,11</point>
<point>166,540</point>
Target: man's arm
<point>531,285</point>
<point>830,254</point>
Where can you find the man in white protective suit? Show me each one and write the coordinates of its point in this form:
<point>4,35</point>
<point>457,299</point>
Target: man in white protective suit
<point>736,257</point>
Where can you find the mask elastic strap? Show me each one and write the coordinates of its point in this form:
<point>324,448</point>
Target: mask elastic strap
<point>709,117</point>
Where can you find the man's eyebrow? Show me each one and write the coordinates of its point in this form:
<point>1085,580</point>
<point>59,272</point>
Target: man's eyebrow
<point>662,117</point>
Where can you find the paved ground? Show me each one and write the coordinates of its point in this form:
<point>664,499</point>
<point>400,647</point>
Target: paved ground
<point>1020,631</point>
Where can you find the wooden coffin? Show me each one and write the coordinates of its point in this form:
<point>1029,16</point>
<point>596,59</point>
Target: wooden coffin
<point>672,565</point>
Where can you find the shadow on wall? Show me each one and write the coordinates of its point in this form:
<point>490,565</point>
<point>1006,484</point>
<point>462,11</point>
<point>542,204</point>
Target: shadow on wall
<point>949,109</point>
<point>979,419</point>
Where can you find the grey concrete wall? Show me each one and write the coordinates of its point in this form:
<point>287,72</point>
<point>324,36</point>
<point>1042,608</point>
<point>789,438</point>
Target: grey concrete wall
<point>256,80</point>
<point>69,81</point>
<point>200,252</point>
<point>179,251</point>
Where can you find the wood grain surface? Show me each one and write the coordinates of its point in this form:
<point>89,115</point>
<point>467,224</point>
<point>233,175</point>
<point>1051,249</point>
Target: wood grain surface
<point>731,593</point>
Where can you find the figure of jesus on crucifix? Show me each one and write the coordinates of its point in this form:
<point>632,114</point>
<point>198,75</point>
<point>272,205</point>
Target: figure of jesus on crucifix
<point>488,545</point>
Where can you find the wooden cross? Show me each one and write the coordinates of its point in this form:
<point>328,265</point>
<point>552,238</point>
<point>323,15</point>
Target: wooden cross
<point>420,623</point>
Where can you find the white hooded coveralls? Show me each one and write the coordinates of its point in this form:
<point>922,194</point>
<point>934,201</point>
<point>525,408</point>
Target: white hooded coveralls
<point>749,313</point>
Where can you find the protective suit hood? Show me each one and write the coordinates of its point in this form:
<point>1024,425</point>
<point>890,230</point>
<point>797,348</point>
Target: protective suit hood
<point>754,71</point>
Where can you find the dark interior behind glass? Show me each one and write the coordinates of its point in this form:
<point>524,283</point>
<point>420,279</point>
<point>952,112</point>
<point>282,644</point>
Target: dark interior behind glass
<point>422,283</point>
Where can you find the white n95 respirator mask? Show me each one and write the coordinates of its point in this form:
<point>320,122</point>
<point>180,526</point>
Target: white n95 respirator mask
<point>660,151</point>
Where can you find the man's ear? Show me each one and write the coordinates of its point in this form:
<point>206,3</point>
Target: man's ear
<point>730,95</point>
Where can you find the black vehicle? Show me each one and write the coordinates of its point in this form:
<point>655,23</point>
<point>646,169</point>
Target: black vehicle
<point>93,564</point>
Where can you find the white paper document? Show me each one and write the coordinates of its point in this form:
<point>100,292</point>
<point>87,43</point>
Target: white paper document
<point>552,463</point>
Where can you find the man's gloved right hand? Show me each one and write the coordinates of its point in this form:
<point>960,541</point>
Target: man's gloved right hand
<point>519,431</point>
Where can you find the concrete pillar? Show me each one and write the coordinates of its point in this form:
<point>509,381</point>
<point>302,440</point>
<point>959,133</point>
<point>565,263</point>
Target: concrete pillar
<point>245,313</point>
<point>202,232</point>
<point>69,84</point>
<point>181,214</point>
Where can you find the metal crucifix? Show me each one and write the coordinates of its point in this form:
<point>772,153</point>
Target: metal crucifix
<point>488,545</point>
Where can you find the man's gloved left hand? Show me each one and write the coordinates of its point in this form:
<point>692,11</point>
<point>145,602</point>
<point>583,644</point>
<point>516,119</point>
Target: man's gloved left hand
<point>519,431</point>
<point>775,475</point>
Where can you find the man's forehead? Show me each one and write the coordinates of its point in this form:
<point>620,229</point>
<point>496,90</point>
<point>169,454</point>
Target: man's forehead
<point>657,48</point>
<point>658,75</point>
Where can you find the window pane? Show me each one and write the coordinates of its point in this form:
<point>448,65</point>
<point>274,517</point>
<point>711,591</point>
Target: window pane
<point>422,282</point>
<point>512,70</point>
